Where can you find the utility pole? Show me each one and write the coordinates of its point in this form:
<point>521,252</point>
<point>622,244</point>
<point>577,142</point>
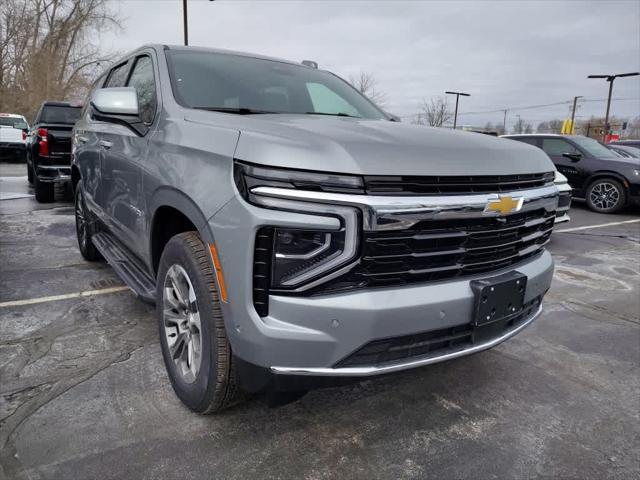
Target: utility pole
<point>504,123</point>
<point>455,115</point>
<point>185,22</point>
<point>573,112</point>
<point>610,79</point>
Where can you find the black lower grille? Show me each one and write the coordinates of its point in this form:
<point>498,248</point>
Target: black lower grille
<point>262,270</point>
<point>443,249</point>
<point>452,185</point>
<point>436,342</point>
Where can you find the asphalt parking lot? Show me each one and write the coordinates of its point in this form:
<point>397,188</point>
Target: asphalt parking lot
<point>84,394</point>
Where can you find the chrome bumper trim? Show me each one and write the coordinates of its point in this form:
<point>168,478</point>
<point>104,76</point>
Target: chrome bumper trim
<point>402,212</point>
<point>373,370</point>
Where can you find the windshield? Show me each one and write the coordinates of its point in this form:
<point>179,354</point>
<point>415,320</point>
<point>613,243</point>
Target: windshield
<point>595,148</point>
<point>15,122</point>
<point>60,114</point>
<point>240,84</point>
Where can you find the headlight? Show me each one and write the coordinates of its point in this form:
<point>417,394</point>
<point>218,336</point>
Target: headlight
<point>248,176</point>
<point>297,259</point>
<point>302,258</point>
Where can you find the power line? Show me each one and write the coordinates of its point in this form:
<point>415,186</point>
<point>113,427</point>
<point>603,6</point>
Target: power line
<point>532,107</point>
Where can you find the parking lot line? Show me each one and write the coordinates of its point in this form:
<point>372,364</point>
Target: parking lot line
<point>587,227</point>
<point>66,296</point>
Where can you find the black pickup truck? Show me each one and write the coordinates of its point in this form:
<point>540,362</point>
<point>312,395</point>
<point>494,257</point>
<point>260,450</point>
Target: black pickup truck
<point>49,148</point>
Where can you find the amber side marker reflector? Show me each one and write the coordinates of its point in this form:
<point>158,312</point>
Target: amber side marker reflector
<point>219,275</point>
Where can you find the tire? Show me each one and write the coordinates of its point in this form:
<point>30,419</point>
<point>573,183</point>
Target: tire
<point>45,191</point>
<point>85,228</point>
<point>203,373</point>
<point>606,195</point>
<point>29,174</point>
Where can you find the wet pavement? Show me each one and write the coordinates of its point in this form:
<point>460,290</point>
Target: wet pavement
<point>84,394</point>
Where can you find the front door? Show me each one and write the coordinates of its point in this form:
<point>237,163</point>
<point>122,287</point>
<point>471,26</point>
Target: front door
<point>573,170</point>
<point>123,154</point>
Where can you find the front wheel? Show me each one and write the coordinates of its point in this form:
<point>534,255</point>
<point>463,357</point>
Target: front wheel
<point>84,228</point>
<point>606,195</point>
<point>193,338</point>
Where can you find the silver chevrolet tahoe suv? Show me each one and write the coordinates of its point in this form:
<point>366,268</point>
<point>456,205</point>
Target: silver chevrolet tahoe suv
<point>291,234</point>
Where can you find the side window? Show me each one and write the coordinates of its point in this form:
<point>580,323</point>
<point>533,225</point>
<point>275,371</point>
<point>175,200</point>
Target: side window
<point>118,76</point>
<point>143,81</point>
<point>529,140</point>
<point>557,146</point>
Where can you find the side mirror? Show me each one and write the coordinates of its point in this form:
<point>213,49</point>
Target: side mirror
<point>574,157</point>
<point>118,105</point>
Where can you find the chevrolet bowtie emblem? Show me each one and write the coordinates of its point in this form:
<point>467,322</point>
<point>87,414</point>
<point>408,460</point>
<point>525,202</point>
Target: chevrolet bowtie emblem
<point>504,205</point>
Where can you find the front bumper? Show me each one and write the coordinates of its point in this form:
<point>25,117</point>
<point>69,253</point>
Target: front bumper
<point>564,203</point>
<point>310,335</point>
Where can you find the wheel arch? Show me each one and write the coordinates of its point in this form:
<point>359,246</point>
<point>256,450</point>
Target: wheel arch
<point>606,174</point>
<point>173,212</point>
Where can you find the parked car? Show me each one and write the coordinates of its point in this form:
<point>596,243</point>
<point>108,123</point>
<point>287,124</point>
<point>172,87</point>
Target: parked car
<point>291,234</point>
<point>13,132</point>
<point>49,148</point>
<point>605,180</point>
<point>625,151</point>
<point>626,143</point>
<point>564,201</point>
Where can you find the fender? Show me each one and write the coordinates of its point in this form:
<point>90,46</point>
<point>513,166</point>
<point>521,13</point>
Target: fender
<point>171,197</point>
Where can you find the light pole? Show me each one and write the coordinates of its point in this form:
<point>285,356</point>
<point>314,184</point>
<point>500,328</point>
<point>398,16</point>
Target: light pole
<point>455,115</point>
<point>573,111</point>
<point>610,79</point>
<point>185,22</point>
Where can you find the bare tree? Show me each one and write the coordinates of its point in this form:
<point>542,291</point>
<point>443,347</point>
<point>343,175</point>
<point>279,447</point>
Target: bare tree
<point>519,126</point>
<point>49,50</point>
<point>367,84</point>
<point>435,112</point>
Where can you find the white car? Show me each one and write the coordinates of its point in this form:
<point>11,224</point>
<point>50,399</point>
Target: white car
<point>13,136</point>
<point>564,203</point>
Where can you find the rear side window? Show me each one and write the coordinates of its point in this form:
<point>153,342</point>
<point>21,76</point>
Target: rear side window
<point>143,81</point>
<point>60,114</point>
<point>557,146</point>
<point>118,76</point>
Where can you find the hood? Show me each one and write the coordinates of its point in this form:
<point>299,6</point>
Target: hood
<point>375,147</point>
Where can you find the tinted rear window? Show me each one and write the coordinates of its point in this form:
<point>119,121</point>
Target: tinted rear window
<point>15,122</point>
<point>59,114</point>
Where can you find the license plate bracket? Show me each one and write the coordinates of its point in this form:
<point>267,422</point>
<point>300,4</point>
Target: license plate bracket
<point>498,297</point>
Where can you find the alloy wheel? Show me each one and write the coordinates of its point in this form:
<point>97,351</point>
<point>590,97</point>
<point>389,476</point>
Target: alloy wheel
<point>604,195</point>
<point>181,321</point>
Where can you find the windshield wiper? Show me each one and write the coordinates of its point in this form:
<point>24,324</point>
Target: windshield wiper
<point>239,111</point>
<point>339,114</point>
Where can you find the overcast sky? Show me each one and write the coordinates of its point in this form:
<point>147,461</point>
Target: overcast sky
<point>504,53</point>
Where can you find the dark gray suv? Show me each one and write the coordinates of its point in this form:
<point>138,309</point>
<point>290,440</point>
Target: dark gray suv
<point>291,234</point>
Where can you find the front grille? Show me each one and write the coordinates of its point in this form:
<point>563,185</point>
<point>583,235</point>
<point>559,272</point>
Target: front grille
<point>454,185</point>
<point>444,249</point>
<point>436,342</point>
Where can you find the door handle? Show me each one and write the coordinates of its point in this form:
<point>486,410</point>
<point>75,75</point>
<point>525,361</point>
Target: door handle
<point>104,144</point>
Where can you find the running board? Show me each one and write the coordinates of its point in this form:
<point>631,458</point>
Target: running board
<point>126,266</point>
